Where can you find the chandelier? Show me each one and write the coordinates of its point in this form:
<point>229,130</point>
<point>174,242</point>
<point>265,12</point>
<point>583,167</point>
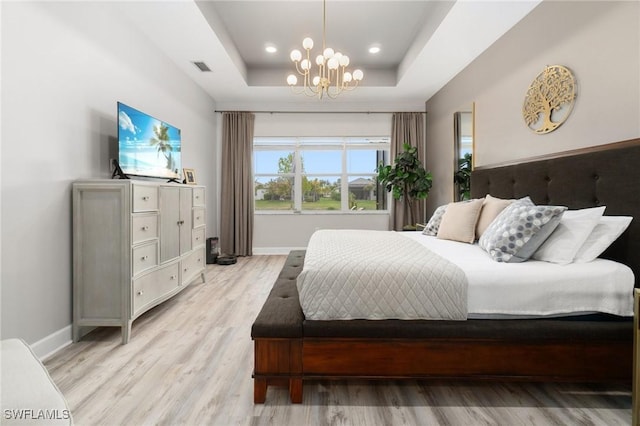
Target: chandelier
<point>331,76</point>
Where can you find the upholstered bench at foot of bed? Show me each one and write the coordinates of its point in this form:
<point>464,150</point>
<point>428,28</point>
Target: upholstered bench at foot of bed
<point>277,335</point>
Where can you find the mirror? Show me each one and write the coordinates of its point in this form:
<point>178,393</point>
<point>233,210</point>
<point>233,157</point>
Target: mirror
<point>463,154</point>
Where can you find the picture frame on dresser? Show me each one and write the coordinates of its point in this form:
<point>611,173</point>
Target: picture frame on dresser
<point>189,176</point>
<point>136,244</point>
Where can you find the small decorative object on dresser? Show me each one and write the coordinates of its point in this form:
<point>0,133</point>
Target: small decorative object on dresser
<point>189,176</point>
<point>135,245</point>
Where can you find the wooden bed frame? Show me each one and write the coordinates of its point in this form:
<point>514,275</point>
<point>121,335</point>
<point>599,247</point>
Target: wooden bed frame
<point>289,349</point>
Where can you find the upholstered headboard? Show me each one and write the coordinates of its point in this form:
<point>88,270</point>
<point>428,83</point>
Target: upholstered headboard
<point>607,175</point>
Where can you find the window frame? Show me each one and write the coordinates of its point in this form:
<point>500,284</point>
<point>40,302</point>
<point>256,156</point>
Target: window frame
<point>297,146</point>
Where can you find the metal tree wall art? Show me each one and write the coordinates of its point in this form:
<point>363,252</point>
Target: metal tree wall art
<point>549,99</point>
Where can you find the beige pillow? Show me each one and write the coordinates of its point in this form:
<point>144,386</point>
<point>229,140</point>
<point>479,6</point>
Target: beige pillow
<point>491,208</point>
<point>459,221</point>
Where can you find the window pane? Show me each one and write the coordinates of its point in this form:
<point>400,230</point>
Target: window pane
<point>273,162</point>
<point>362,161</point>
<point>321,193</point>
<point>316,162</point>
<point>363,193</point>
<point>274,193</point>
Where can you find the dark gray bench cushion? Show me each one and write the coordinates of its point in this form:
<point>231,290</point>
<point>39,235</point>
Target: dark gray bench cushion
<point>281,315</point>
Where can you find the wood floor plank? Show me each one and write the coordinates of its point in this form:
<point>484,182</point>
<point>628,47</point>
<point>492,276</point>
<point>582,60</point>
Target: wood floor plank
<point>190,360</point>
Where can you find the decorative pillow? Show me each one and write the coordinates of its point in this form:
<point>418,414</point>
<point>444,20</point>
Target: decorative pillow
<point>608,229</point>
<point>570,234</point>
<point>434,222</point>
<point>491,208</point>
<point>459,221</point>
<point>519,230</point>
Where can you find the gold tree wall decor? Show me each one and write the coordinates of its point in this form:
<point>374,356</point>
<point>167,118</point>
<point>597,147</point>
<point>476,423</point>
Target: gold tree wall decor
<point>549,99</point>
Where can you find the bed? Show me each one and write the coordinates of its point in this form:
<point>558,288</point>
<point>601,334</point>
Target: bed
<point>289,348</point>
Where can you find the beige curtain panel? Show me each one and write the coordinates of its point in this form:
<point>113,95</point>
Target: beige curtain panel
<point>236,209</point>
<point>406,127</point>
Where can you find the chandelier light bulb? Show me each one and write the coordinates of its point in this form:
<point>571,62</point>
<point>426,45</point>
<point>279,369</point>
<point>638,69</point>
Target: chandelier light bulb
<point>332,64</point>
<point>319,60</point>
<point>344,60</point>
<point>295,55</point>
<point>328,53</point>
<point>305,65</point>
<point>347,77</point>
<point>292,80</point>
<point>357,75</point>
<point>316,80</point>
<point>307,43</point>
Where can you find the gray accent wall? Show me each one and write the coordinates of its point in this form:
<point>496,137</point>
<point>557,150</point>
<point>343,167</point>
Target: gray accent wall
<point>64,67</point>
<point>598,41</point>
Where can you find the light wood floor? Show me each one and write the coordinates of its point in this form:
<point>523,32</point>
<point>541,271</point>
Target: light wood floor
<point>190,359</point>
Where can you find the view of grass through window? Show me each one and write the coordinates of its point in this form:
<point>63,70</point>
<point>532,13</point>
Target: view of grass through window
<point>319,174</point>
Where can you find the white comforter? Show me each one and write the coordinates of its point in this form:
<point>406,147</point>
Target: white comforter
<point>351,274</point>
<point>535,289</point>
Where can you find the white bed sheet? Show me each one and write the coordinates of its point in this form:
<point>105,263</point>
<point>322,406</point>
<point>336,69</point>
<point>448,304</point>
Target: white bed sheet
<point>534,288</point>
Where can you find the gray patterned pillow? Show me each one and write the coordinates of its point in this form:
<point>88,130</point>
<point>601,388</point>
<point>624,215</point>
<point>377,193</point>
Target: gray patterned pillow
<point>519,230</point>
<point>434,223</point>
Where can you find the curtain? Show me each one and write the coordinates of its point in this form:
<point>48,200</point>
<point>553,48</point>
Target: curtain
<point>406,127</point>
<point>236,204</point>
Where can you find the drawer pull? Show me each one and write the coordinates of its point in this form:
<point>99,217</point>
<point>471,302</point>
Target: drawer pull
<point>180,222</point>
<point>197,197</point>
<point>197,238</point>
<point>197,217</point>
<point>199,260</point>
<point>140,293</point>
<point>145,198</point>
<point>145,228</point>
<point>172,277</point>
<point>186,269</point>
<point>143,258</point>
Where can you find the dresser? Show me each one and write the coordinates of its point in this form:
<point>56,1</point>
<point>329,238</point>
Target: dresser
<point>135,245</point>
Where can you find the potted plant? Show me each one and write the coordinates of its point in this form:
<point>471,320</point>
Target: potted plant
<point>462,178</point>
<point>407,179</point>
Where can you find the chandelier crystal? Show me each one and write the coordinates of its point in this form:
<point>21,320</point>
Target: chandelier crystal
<point>330,76</point>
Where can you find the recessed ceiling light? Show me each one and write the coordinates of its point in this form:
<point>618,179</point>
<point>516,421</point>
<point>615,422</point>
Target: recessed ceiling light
<point>374,49</point>
<point>271,48</point>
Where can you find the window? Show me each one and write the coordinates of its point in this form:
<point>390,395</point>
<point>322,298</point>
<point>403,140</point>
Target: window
<point>319,173</point>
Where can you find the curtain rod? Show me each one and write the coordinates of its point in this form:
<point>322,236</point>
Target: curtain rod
<point>323,112</point>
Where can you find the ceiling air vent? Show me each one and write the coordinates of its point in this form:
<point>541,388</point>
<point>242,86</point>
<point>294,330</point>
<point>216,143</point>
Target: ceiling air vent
<point>202,66</point>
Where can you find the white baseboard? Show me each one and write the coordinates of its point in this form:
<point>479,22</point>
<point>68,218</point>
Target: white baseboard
<point>259,251</point>
<point>49,345</point>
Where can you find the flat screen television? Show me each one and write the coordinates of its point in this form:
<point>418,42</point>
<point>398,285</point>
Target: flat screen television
<point>147,146</point>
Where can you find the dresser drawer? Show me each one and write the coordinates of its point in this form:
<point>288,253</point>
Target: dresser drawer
<point>198,197</point>
<point>153,286</point>
<point>197,237</point>
<point>144,257</point>
<point>145,198</point>
<point>144,227</point>
<point>198,217</point>
<point>192,265</point>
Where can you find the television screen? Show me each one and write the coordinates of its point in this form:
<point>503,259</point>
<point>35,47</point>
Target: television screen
<point>147,146</point>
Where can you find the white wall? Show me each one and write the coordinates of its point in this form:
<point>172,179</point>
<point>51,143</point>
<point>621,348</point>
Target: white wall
<point>64,66</point>
<point>598,41</point>
<point>280,232</point>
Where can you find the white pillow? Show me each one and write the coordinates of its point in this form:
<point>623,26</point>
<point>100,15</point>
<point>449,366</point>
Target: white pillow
<point>608,229</point>
<point>570,234</point>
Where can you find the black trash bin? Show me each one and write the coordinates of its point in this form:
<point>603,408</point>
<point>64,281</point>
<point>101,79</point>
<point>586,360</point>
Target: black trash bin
<point>212,250</point>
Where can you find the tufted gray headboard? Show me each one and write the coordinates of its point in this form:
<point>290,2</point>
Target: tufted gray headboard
<point>607,175</point>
